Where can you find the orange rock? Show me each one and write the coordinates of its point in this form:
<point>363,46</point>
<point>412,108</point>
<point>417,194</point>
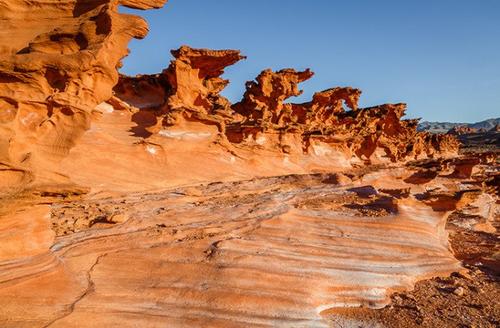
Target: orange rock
<point>263,100</point>
<point>195,82</point>
<point>187,90</point>
<point>363,131</point>
<point>194,77</point>
<point>57,63</point>
<point>325,106</point>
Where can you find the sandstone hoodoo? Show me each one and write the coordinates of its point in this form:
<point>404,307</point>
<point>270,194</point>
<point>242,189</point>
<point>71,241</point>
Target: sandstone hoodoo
<point>153,201</point>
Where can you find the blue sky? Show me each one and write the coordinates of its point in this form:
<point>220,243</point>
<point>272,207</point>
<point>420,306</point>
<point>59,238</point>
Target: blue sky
<point>441,57</point>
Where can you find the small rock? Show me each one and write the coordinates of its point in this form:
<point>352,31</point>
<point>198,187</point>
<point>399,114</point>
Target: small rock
<point>459,291</point>
<point>397,299</point>
<point>118,218</point>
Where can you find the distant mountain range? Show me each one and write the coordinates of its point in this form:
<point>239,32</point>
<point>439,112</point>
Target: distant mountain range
<point>443,127</point>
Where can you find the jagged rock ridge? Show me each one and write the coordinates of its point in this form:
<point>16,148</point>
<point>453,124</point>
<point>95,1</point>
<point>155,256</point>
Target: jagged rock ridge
<point>263,110</point>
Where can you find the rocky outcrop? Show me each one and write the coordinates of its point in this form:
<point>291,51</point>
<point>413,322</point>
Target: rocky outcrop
<point>358,132</point>
<point>321,112</point>
<point>194,78</point>
<point>57,63</point>
<point>188,90</point>
<point>331,119</point>
<point>263,101</point>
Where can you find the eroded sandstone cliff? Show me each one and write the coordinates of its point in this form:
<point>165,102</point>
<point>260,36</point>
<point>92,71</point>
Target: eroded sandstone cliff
<point>58,61</point>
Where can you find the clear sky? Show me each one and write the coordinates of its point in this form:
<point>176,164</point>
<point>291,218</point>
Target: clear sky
<point>441,57</point>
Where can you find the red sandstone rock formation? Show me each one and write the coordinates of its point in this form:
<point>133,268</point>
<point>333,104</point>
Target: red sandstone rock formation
<point>321,112</point>
<point>188,90</point>
<point>263,101</point>
<point>194,78</point>
<point>58,61</point>
<point>360,132</point>
<point>331,118</point>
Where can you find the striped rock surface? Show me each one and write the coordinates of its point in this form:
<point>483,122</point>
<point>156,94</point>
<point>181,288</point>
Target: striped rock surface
<point>268,252</point>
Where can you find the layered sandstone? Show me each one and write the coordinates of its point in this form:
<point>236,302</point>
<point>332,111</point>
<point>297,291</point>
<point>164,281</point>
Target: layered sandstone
<point>281,251</point>
<point>58,61</point>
